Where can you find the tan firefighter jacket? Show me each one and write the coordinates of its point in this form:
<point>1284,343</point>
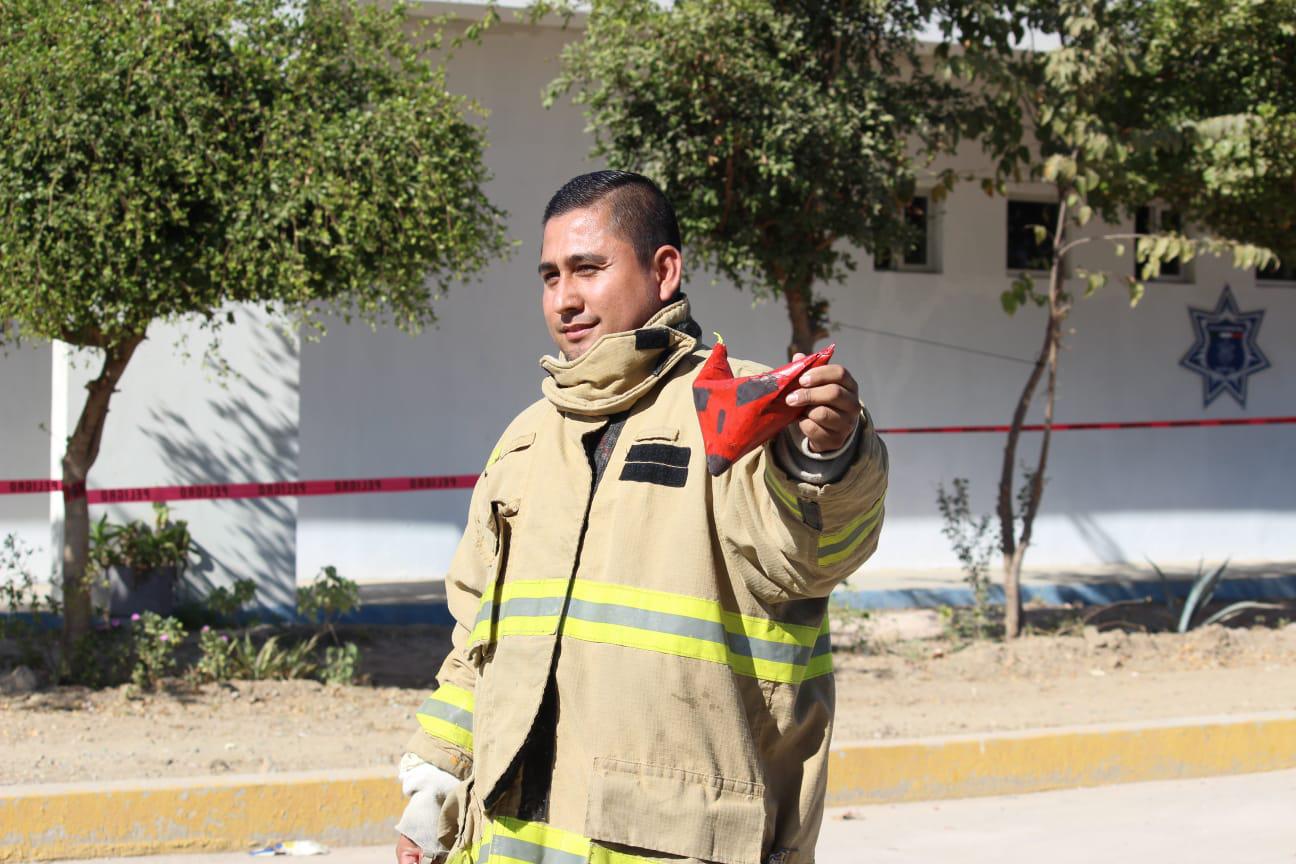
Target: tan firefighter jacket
<point>694,680</point>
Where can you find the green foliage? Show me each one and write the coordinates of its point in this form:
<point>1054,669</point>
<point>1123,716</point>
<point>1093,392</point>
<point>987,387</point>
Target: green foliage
<point>215,657</point>
<point>341,664</point>
<point>780,131</point>
<point>304,158</point>
<point>155,641</point>
<point>324,601</point>
<point>22,608</point>
<point>973,542</point>
<point>1218,143</point>
<point>270,660</point>
<point>140,547</point>
<point>328,598</point>
<point>1192,614</point>
<point>103,657</point>
<point>226,603</point>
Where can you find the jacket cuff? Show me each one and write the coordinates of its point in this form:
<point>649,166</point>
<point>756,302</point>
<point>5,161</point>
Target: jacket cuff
<point>794,456</point>
<point>436,752</point>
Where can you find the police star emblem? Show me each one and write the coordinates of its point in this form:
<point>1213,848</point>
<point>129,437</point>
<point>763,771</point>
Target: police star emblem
<point>1225,352</point>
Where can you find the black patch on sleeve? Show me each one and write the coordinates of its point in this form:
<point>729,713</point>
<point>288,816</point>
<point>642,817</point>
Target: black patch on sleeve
<point>811,516</point>
<point>700,398</point>
<point>652,338</point>
<point>664,454</point>
<point>754,388</point>
<point>720,418</point>
<point>651,472</point>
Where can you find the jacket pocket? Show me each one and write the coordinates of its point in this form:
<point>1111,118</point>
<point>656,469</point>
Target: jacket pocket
<point>675,811</point>
<point>481,644</point>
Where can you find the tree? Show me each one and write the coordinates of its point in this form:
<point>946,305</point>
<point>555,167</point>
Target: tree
<point>1064,116</point>
<point>1226,75</point>
<point>781,131</point>
<point>161,161</point>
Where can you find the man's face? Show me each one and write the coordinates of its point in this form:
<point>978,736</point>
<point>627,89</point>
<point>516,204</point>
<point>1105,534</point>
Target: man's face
<point>594,283</point>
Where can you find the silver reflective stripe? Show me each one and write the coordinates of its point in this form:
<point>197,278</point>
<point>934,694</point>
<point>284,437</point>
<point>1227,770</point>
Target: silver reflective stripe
<point>531,607</point>
<point>451,714</point>
<point>682,625</point>
<point>521,850</point>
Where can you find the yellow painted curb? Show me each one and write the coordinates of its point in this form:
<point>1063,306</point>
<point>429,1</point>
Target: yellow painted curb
<point>1005,764</point>
<point>346,808</point>
<point>337,808</point>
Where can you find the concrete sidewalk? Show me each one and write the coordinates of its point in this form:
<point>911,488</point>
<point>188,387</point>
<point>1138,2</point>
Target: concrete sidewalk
<point>1246,818</point>
<point>344,808</point>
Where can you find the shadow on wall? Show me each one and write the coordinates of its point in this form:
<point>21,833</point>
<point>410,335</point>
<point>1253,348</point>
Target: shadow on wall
<point>249,435</point>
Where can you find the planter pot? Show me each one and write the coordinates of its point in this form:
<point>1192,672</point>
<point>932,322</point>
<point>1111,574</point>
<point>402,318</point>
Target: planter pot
<point>147,591</point>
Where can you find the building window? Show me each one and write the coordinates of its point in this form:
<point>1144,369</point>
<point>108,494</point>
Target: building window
<point>1024,252</point>
<point>920,253</point>
<point>1157,220</point>
<point>1283,271</point>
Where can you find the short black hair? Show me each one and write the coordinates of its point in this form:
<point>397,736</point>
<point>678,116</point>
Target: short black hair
<point>640,210</point>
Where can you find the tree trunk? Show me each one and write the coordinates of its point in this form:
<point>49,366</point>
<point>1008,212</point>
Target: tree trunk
<point>805,330</point>
<point>1014,548</point>
<point>80,455</point>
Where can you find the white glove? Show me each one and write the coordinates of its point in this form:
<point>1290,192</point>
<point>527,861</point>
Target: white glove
<point>427,786</point>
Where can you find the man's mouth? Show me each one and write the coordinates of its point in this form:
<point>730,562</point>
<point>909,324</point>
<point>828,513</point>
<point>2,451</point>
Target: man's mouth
<point>577,329</point>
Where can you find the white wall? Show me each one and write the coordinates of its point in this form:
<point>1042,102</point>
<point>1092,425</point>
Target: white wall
<point>25,448</point>
<point>175,421</point>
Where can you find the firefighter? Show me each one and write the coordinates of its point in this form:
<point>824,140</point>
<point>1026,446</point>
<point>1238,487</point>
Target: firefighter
<point>641,665</point>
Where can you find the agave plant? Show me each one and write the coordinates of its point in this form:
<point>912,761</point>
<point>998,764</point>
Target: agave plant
<point>1203,589</point>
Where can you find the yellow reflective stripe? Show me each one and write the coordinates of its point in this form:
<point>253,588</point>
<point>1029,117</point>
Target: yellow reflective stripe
<point>770,630</point>
<point>520,589</point>
<point>819,666</point>
<point>682,646</point>
<point>452,694</point>
<point>695,607</point>
<point>849,549</point>
<point>838,536</point>
<point>542,835</point>
<point>647,599</point>
<point>789,501</point>
<point>514,625</point>
<point>446,731</point>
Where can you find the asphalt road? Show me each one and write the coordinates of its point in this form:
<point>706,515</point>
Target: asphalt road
<point>1246,819</point>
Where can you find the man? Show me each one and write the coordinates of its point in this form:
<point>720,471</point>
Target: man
<point>641,666</point>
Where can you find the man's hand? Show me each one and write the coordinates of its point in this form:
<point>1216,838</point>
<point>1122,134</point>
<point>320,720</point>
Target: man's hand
<point>407,851</point>
<point>830,398</point>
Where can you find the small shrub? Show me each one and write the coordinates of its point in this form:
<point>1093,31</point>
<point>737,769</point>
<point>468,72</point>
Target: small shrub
<point>328,598</point>
<point>140,547</point>
<point>271,661</point>
<point>216,660</point>
<point>23,607</point>
<point>324,601</point>
<point>973,543</point>
<point>341,664</point>
<point>102,657</point>
<point>226,603</point>
<point>155,642</point>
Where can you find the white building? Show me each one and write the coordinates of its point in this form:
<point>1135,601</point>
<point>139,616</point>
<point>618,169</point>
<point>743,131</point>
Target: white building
<point>375,404</point>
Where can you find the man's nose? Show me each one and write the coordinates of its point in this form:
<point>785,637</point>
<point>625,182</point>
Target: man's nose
<point>567,294</point>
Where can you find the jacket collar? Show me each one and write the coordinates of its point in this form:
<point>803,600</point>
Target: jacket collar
<point>621,367</point>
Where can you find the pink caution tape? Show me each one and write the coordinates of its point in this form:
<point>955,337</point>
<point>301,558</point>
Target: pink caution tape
<point>367,485</point>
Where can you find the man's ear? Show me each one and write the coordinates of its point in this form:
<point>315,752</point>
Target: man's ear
<point>668,270</point>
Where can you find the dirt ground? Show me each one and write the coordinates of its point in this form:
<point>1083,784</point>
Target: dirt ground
<point>899,675</point>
